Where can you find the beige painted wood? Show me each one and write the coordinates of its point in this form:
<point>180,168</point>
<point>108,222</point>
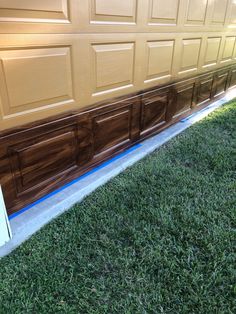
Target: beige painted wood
<point>113,66</point>
<point>43,11</point>
<point>219,11</point>
<point>211,51</point>
<point>196,11</point>
<point>159,59</point>
<point>52,68</point>
<point>63,55</point>
<point>190,52</point>
<point>164,12</point>
<point>114,11</point>
<point>98,16</point>
<point>228,49</point>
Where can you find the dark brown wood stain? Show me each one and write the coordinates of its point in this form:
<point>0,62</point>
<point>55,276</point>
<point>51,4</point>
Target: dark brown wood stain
<point>38,158</point>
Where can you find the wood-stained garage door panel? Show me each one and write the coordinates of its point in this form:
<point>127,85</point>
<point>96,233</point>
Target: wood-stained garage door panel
<point>204,90</point>
<point>112,129</point>
<point>154,110</point>
<point>36,160</point>
<point>233,78</point>
<point>220,83</point>
<point>184,99</point>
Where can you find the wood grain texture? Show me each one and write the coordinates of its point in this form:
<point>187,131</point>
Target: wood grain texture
<point>184,98</point>
<point>204,90</point>
<point>232,79</point>
<point>221,81</point>
<point>154,111</point>
<point>38,158</point>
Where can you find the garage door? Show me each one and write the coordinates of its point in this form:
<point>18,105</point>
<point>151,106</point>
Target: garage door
<point>81,80</point>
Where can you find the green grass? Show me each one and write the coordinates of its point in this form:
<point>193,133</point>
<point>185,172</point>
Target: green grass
<point>159,238</point>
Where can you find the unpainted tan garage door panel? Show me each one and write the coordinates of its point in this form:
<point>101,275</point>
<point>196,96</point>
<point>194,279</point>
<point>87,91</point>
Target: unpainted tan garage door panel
<point>32,78</point>
<point>33,10</point>
<point>63,55</point>
<point>114,16</point>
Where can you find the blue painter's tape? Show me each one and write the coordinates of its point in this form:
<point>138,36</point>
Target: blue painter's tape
<point>103,165</point>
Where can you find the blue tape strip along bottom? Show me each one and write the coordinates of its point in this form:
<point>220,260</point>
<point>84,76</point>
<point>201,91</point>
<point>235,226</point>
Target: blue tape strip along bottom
<point>103,165</point>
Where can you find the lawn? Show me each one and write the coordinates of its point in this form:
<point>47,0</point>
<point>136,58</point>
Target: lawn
<point>159,238</point>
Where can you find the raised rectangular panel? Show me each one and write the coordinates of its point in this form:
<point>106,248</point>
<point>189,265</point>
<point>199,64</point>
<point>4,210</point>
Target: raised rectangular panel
<point>113,66</point>
<point>221,80</point>
<point>164,12</point>
<point>33,10</point>
<point>160,56</point>
<point>212,51</point>
<point>41,157</point>
<point>184,99</point>
<point>114,11</point>
<point>190,55</point>
<point>34,78</point>
<point>154,111</point>
<point>112,129</point>
<point>228,49</point>
<point>219,11</point>
<point>234,53</point>
<point>204,90</point>
<point>36,160</point>
<point>196,11</point>
<point>233,13</point>
<point>232,82</point>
